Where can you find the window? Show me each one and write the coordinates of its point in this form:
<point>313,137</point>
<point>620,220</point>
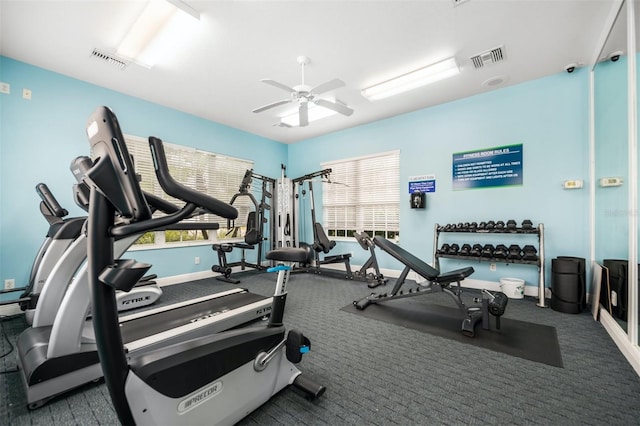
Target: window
<point>216,175</point>
<point>364,196</point>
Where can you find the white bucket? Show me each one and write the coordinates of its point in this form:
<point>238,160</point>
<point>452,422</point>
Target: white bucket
<point>512,287</point>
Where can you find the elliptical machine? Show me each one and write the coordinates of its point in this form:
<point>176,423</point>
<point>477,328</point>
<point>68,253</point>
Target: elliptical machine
<point>215,378</point>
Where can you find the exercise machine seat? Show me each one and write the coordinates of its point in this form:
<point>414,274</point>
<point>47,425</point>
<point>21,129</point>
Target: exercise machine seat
<point>322,243</point>
<point>420,267</point>
<point>290,254</point>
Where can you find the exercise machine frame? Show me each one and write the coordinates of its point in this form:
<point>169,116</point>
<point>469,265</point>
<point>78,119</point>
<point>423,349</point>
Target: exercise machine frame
<point>322,243</point>
<point>447,282</point>
<point>215,378</point>
<point>254,236</point>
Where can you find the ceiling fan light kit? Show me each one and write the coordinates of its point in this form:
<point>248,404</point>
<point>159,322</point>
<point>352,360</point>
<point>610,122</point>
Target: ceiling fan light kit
<point>292,119</point>
<point>307,98</point>
<point>412,80</point>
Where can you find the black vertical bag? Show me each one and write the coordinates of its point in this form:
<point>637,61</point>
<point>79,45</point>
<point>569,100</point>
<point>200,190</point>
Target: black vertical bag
<point>568,285</point>
<point>617,286</point>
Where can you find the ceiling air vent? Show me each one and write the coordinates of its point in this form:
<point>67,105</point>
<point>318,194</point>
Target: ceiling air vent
<point>489,57</point>
<point>110,59</point>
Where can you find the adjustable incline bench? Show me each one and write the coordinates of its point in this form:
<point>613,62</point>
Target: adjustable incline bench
<point>491,303</point>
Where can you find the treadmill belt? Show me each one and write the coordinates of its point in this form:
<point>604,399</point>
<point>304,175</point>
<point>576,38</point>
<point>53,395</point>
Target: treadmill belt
<point>168,320</point>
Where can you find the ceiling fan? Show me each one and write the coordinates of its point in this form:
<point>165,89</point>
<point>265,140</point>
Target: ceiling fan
<point>303,94</point>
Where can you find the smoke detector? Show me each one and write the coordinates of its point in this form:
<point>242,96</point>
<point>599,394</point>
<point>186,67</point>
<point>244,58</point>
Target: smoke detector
<point>490,56</point>
<point>495,81</point>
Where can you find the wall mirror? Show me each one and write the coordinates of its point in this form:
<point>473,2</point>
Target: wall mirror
<point>611,154</point>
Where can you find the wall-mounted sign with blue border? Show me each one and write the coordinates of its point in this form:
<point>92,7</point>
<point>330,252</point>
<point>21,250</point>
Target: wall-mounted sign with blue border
<point>493,167</point>
<point>422,183</point>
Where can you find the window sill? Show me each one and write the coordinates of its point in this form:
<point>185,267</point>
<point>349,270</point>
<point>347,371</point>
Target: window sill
<point>141,247</point>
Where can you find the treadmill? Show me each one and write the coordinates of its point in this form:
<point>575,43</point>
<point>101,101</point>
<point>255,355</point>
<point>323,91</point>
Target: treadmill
<point>57,357</point>
<point>60,235</point>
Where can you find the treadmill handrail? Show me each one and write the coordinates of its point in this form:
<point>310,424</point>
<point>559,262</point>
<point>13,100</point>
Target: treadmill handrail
<point>182,192</point>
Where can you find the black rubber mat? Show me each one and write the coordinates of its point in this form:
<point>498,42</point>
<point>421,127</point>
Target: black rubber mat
<point>521,339</point>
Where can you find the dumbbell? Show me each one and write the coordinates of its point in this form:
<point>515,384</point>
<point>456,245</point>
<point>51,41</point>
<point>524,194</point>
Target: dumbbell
<point>465,250</point>
<point>453,249</point>
<point>501,251</point>
<point>490,225</point>
<point>527,225</point>
<point>514,252</point>
<point>529,252</point>
<point>499,225</point>
<point>476,250</point>
<point>444,249</point>
<point>487,250</point>
<point>511,225</point>
<point>473,226</point>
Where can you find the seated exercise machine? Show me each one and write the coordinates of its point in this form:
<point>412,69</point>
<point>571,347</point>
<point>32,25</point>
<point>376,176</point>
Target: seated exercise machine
<point>323,245</point>
<point>213,378</point>
<point>493,303</point>
<point>58,352</point>
<point>254,233</point>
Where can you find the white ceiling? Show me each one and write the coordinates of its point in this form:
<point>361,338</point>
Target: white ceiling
<point>217,76</point>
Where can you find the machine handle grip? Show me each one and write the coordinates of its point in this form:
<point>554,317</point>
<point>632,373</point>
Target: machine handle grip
<point>177,190</point>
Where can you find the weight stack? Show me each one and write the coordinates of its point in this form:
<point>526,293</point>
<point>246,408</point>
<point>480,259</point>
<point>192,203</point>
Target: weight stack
<point>568,284</point>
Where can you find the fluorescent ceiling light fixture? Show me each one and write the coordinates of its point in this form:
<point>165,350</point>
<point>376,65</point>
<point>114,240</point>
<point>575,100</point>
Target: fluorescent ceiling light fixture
<point>413,80</point>
<point>161,28</point>
<point>315,113</point>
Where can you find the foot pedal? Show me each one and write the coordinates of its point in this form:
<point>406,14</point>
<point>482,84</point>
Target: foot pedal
<point>297,345</point>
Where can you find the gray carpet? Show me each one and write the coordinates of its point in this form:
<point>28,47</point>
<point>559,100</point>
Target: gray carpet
<point>378,373</point>
<point>531,341</point>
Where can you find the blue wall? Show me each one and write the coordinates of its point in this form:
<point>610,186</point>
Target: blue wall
<point>548,116</point>
<point>40,137</point>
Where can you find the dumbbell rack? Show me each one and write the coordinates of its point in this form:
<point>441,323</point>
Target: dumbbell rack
<point>538,231</point>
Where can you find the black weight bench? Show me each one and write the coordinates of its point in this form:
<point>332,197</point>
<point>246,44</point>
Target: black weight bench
<point>492,303</point>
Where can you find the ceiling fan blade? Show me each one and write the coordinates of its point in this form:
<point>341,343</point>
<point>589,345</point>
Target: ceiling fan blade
<point>329,85</point>
<point>272,105</point>
<point>303,112</point>
<point>337,107</point>
<point>278,85</point>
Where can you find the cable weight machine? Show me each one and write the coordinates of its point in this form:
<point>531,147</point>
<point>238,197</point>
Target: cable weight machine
<point>322,243</point>
<point>255,228</point>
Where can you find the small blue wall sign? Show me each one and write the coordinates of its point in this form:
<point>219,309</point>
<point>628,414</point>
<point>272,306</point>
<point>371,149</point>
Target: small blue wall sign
<point>422,183</point>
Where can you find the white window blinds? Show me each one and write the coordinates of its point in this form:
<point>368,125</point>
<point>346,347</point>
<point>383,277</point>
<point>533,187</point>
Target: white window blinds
<point>364,196</point>
<point>215,175</point>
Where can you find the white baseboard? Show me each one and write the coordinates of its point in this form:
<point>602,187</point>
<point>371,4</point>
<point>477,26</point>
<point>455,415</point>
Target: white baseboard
<point>10,310</point>
<point>178,279</point>
<point>468,283</point>
<point>620,338</point>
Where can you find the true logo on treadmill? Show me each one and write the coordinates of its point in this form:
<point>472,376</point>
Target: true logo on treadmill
<point>135,300</point>
<point>199,397</point>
